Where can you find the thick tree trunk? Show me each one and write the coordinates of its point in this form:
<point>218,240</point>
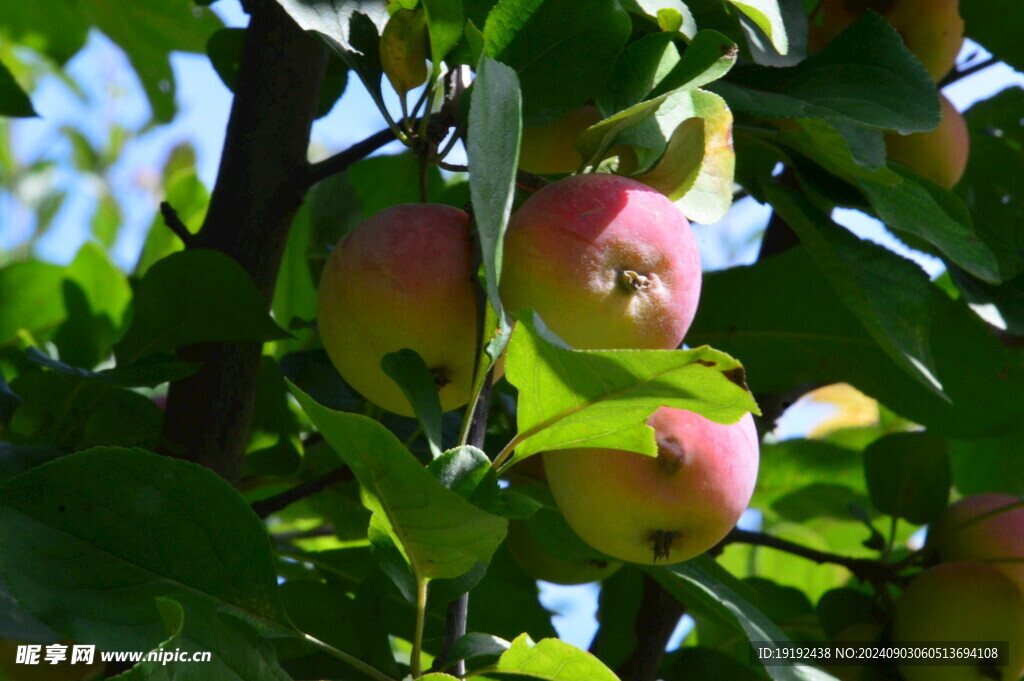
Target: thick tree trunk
<point>260,185</point>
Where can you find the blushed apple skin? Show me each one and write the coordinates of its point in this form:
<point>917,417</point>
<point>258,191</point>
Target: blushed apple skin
<point>402,279</point>
<point>931,29</point>
<point>606,261</point>
<point>995,540</point>
<point>939,154</point>
<point>961,601</point>
<point>663,509</point>
<point>541,564</point>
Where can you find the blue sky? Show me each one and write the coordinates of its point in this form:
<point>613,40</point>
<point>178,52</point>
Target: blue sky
<point>113,95</point>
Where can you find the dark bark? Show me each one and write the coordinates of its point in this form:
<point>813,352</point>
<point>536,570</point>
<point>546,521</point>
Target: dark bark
<point>260,185</point>
<point>656,619</point>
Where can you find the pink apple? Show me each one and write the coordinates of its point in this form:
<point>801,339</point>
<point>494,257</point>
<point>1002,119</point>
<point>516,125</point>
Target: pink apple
<point>663,509</point>
<point>606,261</point>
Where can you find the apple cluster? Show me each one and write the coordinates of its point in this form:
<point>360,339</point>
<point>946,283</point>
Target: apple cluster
<point>975,593</point>
<point>607,263</point>
<point>934,32</point>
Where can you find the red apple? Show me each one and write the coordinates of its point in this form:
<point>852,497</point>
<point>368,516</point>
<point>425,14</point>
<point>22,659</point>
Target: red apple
<point>997,540</point>
<point>958,603</point>
<point>402,279</point>
<point>606,261</point>
<point>668,508</point>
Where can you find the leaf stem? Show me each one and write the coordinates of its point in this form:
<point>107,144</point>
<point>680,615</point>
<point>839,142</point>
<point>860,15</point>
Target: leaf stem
<point>415,663</point>
<point>350,660</point>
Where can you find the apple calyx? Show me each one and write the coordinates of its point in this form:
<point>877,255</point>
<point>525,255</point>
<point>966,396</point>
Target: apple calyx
<point>634,282</point>
<point>662,543</point>
<point>440,376</point>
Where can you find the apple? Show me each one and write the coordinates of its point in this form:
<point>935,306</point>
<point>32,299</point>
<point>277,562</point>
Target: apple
<point>550,148</point>
<point>607,262</point>
<point>931,29</point>
<point>402,279</point>
<point>542,564</point>
<point>939,154</point>
<point>663,509</point>
<point>960,602</point>
<point>997,540</point>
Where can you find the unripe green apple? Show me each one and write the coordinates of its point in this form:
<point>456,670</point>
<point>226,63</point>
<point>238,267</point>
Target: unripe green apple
<point>606,261</point>
<point>997,540</point>
<point>663,509</point>
<point>402,279</point>
<point>542,564</point>
<point>959,602</point>
<point>939,154</point>
<point>931,29</point>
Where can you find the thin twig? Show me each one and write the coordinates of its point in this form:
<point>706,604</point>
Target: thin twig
<point>960,74</point>
<point>863,568</point>
<point>176,225</point>
<point>271,505</point>
<point>341,161</point>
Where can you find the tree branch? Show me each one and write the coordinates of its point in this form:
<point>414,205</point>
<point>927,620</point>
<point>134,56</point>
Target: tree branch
<point>174,223</point>
<point>959,74</point>
<point>209,414</point>
<point>656,619</point>
<point>341,161</point>
<point>867,569</point>
<point>278,502</point>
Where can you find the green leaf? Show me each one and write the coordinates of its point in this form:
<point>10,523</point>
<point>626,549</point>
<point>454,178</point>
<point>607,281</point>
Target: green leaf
<point>495,127</point>
<point>989,464</point>
<point>295,290</point>
<point>18,625</point>
<point>444,22</point>
<point>475,644</point>
<point>707,663</point>
<point>13,100</point>
<point>466,470</point>
<point>90,563</point>
<point>797,463</point>
<point>671,15</point>
<point>55,28</point>
<point>708,57</point>
<point>148,372</point>
<point>602,398</point>
<point>410,372</point>
<point>705,587</point>
<point>993,185</point>
<point>236,651</point>
<point>640,67</point>
<point>196,296</point>
<point>830,145</point>
<point>148,31</point>
<point>73,412</point>
<point>30,299</point>
<point>96,296</point>
<point>826,343</point>
<point>919,207</point>
<point>865,76</point>
<point>352,29</point>
<point>767,15</point>
<point>439,533</point>
<point>708,198</point>
<point>562,55</point>
<point>986,22</point>
<point>550,659</point>
<point>908,476</point>
<point>886,292</point>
